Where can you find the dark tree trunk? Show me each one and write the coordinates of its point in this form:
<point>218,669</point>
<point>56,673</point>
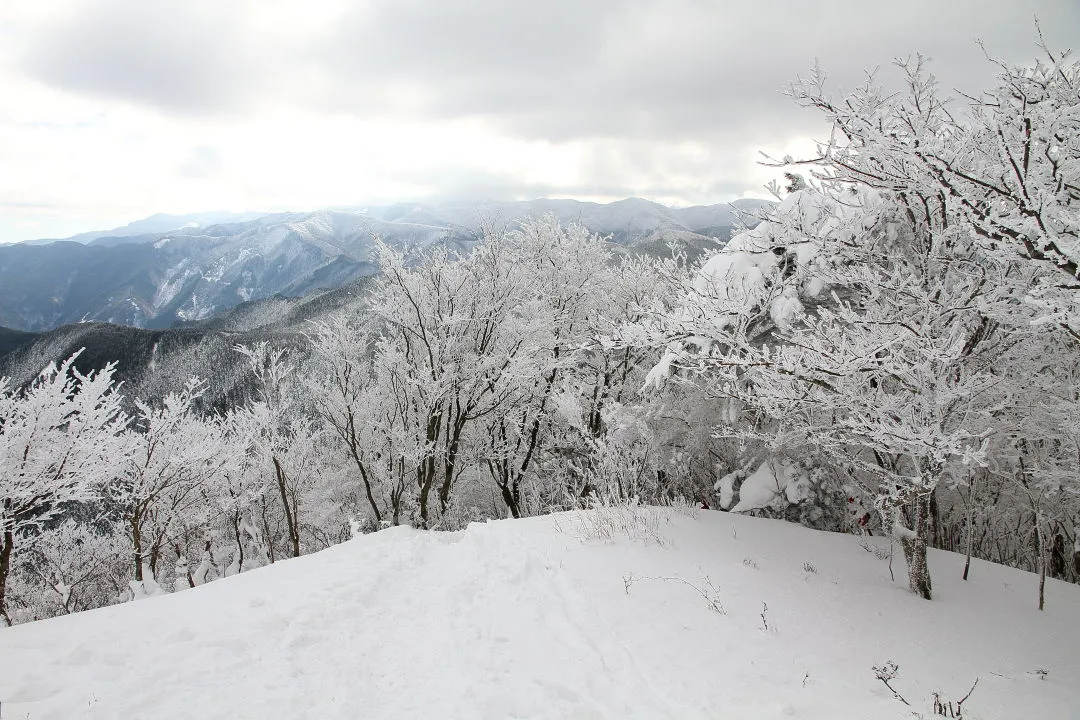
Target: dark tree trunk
<point>1040,542</point>
<point>7,544</point>
<point>239,543</point>
<point>155,555</point>
<point>426,478</point>
<point>349,433</point>
<point>290,515</point>
<point>1057,558</point>
<point>136,545</point>
<point>511,496</point>
<point>371,495</point>
<point>425,473</point>
<point>450,464</point>
<point>970,528</point>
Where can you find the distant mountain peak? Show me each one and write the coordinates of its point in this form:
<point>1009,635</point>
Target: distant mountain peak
<point>165,268</point>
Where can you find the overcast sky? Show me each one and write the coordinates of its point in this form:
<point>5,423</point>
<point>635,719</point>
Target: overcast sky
<point>111,110</point>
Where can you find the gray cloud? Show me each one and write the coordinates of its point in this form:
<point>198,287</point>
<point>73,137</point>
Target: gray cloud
<point>668,97</point>
<point>558,69</point>
<point>184,58</point>
<point>652,68</point>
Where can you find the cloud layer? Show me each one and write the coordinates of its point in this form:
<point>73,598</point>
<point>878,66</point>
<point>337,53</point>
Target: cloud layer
<point>119,108</point>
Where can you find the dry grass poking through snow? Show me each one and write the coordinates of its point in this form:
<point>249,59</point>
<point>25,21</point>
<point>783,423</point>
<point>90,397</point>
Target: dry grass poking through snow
<point>613,521</point>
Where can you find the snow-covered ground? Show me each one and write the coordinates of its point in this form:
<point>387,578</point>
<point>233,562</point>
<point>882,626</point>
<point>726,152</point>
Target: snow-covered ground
<point>546,618</point>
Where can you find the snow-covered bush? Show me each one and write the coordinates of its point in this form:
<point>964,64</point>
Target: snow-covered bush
<point>799,490</point>
<point>75,566</point>
<point>607,520</point>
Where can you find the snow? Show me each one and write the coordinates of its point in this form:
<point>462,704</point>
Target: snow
<point>175,279</point>
<point>725,487</point>
<point>775,484</point>
<point>552,618</point>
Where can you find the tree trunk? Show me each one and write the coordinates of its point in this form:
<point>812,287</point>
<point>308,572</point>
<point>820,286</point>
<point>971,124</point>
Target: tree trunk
<point>1076,551</point>
<point>512,499</point>
<point>268,537</point>
<point>970,528</point>
<point>187,568</point>
<point>370,495</point>
<point>239,542</point>
<point>449,475</point>
<point>967,559</point>
<point>427,479</point>
<point>290,516</point>
<point>136,546</point>
<point>914,543</point>
<point>354,449</point>
<point>155,556</point>
<point>397,494</point>
<point>6,547</point>
<point>1042,562</point>
<point>934,534</point>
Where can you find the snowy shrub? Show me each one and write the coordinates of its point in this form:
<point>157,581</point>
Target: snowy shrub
<point>608,521</point>
<point>682,506</point>
<point>801,491</point>
<point>73,568</point>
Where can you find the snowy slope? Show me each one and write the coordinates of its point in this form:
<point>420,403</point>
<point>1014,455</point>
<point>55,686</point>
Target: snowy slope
<point>539,619</point>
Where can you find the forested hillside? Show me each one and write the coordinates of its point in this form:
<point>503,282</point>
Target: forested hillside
<point>892,351</point>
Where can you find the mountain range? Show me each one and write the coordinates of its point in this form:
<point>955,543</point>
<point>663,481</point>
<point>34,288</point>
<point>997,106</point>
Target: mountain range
<point>185,268</point>
<point>168,303</point>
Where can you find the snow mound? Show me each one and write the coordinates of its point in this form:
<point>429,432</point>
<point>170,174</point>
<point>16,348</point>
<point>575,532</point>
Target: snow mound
<point>713,616</point>
<point>775,484</point>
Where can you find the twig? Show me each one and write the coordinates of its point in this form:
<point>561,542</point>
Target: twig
<point>888,672</point>
<point>961,702</point>
<point>711,597</point>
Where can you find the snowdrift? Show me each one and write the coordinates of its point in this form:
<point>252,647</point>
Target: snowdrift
<point>610,614</point>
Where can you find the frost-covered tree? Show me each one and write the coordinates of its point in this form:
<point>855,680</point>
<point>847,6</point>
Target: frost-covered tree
<point>1037,452</point>
<point>239,493</point>
<point>75,566</point>
<point>372,423</point>
<point>569,270</point>
<point>1005,165</point>
<point>878,370</point>
<point>465,362</point>
<point>453,335</point>
<point>161,493</point>
<point>58,445</point>
<point>614,439</point>
<point>577,294</point>
<point>284,434</point>
<point>868,316</point>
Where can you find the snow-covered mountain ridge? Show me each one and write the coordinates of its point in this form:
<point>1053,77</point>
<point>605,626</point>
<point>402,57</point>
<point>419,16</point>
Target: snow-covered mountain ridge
<point>647,613</point>
<point>149,274</point>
